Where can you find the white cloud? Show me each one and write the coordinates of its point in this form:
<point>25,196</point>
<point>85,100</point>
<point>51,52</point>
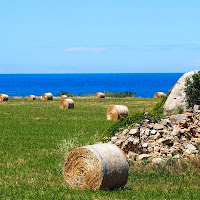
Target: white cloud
<point>73,49</point>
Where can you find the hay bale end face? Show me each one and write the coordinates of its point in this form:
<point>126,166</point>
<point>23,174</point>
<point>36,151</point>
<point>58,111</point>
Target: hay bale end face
<point>159,95</point>
<point>99,95</point>
<point>66,104</point>
<point>31,97</point>
<point>63,97</point>
<point>96,166</point>
<point>115,112</point>
<point>47,96</point>
<point>3,97</point>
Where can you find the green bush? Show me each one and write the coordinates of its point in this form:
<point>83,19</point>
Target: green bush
<point>192,89</point>
<point>180,110</point>
<point>107,94</point>
<point>120,94</point>
<point>66,93</point>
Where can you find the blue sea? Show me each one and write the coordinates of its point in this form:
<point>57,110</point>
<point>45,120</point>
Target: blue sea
<point>144,84</point>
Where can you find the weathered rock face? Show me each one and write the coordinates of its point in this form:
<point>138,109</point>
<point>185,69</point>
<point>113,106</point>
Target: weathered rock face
<point>177,97</point>
<point>175,136</point>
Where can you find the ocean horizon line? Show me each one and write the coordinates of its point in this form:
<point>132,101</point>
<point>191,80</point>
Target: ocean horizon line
<point>144,84</point>
<point>94,73</point>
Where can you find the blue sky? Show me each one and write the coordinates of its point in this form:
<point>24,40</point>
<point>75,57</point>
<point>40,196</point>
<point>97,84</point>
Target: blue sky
<point>99,36</point>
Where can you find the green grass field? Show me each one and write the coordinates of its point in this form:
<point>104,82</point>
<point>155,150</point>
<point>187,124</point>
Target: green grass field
<point>36,136</point>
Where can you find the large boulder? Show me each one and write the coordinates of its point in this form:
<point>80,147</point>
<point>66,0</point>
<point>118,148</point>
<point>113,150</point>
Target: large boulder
<point>177,97</point>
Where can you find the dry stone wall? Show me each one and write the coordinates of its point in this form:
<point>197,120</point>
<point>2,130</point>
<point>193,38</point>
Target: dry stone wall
<point>176,136</point>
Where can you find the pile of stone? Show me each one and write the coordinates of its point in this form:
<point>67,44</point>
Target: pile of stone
<point>175,136</point>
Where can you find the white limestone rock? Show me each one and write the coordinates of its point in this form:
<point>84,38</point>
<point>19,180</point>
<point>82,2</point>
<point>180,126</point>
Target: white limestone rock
<point>143,156</point>
<point>177,97</point>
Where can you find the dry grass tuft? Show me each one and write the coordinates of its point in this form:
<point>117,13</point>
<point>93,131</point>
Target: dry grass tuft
<point>174,166</point>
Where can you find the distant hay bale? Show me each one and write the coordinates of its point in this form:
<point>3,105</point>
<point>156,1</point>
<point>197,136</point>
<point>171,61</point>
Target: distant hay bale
<point>115,112</point>
<point>31,97</point>
<point>3,97</point>
<point>63,96</point>
<point>99,95</point>
<point>47,96</point>
<point>159,95</point>
<point>66,104</point>
<point>96,166</point>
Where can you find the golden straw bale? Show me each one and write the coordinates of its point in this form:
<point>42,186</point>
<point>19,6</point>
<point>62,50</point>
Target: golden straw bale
<point>31,97</point>
<point>96,166</point>
<point>47,96</point>
<point>99,95</point>
<point>3,97</point>
<point>159,95</point>
<point>63,96</point>
<point>66,104</point>
<point>115,112</point>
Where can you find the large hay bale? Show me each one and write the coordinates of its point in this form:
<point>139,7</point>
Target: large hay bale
<point>63,97</point>
<point>115,112</point>
<point>66,104</point>
<point>31,97</point>
<point>47,96</point>
<point>3,97</point>
<point>159,95</point>
<point>99,95</point>
<point>96,166</point>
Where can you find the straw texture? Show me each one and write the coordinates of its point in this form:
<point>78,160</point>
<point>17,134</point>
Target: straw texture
<point>66,104</point>
<point>3,97</point>
<point>159,95</point>
<point>99,95</point>
<point>31,97</point>
<point>63,96</point>
<point>96,166</point>
<point>115,112</point>
<point>47,96</point>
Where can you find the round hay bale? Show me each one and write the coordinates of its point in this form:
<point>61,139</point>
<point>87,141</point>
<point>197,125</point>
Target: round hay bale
<point>63,96</point>
<point>115,112</point>
<point>47,96</point>
<point>159,95</point>
<point>3,97</point>
<point>96,166</point>
<point>99,95</point>
<point>66,104</point>
<point>31,97</point>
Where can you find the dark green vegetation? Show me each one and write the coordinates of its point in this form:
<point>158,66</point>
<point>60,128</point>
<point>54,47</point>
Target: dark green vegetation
<point>192,90</point>
<point>120,94</point>
<point>66,93</point>
<point>107,94</point>
<point>35,137</point>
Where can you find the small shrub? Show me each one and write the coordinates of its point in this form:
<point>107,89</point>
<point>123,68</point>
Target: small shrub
<point>197,146</point>
<point>66,93</point>
<point>157,112</point>
<point>192,89</point>
<point>180,110</point>
<point>120,94</point>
